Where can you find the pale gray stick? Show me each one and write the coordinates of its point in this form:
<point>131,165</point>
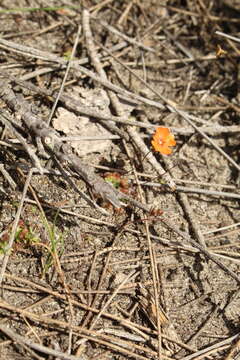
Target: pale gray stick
<point>14,227</point>
<point>65,75</point>
<point>4,118</point>
<point>209,192</point>
<point>194,225</point>
<point>8,177</point>
<point>196,191</point>
<point>38,347</point>
<point>221,229</point>
<point>230,37</point>
<point>197,354</point>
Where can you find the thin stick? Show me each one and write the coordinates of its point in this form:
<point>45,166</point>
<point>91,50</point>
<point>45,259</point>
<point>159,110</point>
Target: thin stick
<point>155,288</point>
<point>65,75</point>
<point>195,190</point>
<point>191,219</point>
<point>230,37</point>
<point>15,225</point>
<point>197,354</point>
<point>221,228</point>
<point>6,120</point>
<point>41,348</point>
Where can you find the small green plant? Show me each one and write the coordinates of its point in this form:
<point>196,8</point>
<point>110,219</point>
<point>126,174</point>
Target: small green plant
<point>67,55</point>
<point>4,247</point>
<point>25,235</point>
<point>56,247</point>
<point>117,181</point>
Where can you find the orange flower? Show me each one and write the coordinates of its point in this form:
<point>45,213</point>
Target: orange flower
<point>162,139</point>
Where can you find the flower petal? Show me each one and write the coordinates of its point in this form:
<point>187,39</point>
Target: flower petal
<point>170,141</point>
<point>163,132</point>
<point>162,139</point>
<point>165,150</point>
<point>156,145</point>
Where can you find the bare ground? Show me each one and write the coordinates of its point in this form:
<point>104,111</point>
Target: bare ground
<point>159,276</point>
